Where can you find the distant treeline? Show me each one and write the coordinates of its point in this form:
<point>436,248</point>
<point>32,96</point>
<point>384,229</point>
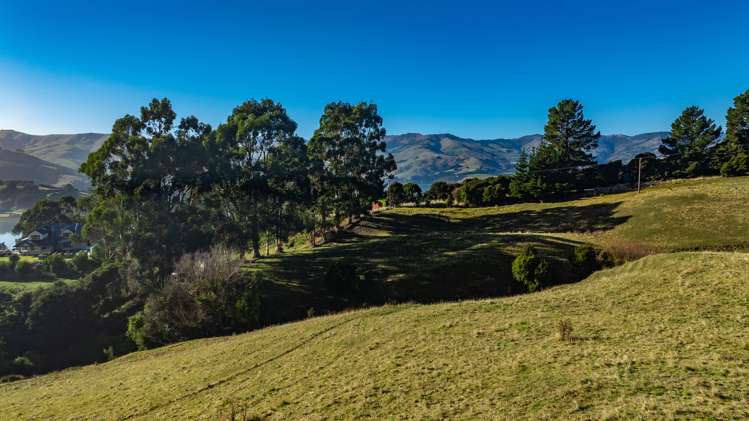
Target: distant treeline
<point>563,163</point>
<point>18,194</point>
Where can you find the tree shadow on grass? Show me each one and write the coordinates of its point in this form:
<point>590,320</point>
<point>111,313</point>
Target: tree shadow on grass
<point>598,217</point>
<point>426,258</point>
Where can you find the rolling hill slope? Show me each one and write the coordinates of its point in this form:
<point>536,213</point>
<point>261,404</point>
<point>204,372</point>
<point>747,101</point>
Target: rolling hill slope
<point>661,337</point>
<point>430,255</point>
<point>67,150</point>
<point>15,165</point>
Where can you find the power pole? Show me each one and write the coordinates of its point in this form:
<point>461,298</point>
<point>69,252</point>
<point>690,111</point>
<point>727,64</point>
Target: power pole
<point>639,173</point>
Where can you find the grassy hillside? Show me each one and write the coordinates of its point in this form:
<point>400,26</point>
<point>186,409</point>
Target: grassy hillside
<point>660,337</point>
<point>16,165</point>
<point>678,215</point>
<point>434,254</point>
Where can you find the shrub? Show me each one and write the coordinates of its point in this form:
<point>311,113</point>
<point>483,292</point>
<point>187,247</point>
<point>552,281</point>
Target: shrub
<point>57,264</point>
<point>565,330</point>
<point>341,277</point>
<point>206,295</point>
<point>621,251</point>
<point>6,269</point>
<point>83,264</point>
<point>584,260</point>
<point>530,269</point>
<point>14,258</point>
<point>26,268</point>
<point>736,166</point>
<point>23,366</point>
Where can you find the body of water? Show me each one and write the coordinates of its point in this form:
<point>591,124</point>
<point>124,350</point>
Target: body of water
<point>6,236</point>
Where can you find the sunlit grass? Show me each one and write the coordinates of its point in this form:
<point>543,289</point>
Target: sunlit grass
<point>662,337</point>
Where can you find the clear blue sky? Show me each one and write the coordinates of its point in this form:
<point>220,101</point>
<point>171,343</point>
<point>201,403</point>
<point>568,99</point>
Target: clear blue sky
<point>475,69</point>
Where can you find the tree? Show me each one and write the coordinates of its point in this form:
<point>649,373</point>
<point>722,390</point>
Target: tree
<point>524,185</point>
<point>568,142</point>
<point>240,158</point>
<point>568,136</point>
<point>687,149</point>
<point>733,152</point>
<point>348,160</point>
<point>412,193</point>
<point>396,194</point>
<point>439,190</point>
<point>289,187</point>
<point>147,178</point>
<point>45,212</point>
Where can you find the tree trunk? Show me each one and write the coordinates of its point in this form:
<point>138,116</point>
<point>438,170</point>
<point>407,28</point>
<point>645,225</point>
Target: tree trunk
<point>255,230</point>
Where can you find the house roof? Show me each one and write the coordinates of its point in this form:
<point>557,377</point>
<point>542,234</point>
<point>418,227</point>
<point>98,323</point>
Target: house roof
<point>53,234</point>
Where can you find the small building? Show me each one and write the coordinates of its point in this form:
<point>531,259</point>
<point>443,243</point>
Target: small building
<point>52,238</point>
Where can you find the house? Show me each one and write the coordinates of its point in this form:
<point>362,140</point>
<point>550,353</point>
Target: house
<point>52,238</point>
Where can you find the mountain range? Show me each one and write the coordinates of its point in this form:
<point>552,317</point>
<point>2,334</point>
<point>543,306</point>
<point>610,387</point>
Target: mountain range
<point>421,158</point>
<point>424,159</point>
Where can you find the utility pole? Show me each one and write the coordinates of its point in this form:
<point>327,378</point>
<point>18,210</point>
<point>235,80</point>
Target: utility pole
<point>639,173</point>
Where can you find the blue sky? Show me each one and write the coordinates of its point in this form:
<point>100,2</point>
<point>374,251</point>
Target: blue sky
<point>472,68</point>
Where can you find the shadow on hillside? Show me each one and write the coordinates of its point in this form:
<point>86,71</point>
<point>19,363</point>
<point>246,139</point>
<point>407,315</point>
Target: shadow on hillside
<point>598,217</point>
<point>426,258</point>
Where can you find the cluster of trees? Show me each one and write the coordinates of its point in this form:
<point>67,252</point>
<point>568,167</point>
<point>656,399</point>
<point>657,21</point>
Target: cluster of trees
<point>163,192</point>
<point>62,325</point>
<point>398,194</point>
<point>563,163</point>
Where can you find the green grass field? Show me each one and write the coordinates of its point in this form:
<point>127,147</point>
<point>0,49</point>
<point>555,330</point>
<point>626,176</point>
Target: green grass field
<point>434,254</point>
<point>661,337</point>
<point>15,287</point>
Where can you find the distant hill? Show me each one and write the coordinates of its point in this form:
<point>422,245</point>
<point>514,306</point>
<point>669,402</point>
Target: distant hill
<point>424,159</point>
<point>421,158</point>
<point>16,165</point>
<point>67,150</point>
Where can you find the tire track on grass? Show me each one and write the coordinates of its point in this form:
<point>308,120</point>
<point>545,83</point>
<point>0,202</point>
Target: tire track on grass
<point>254,367</point>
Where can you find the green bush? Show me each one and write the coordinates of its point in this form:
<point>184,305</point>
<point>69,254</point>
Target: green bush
<point>14,258</point>
<point>736,166</point>
<point>584,260</point>
<point>531,270</point>
<point>23,366</point>
<point>341,277</point>
<point>6,269</point>
<point>83,264</point>
<point>25,267</point>
<point>56,264</point>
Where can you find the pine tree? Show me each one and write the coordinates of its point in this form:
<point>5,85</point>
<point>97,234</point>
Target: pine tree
<point>732,155</point>
<point>688,147</point>
<point>737,125</point>
<point>569,138</point>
